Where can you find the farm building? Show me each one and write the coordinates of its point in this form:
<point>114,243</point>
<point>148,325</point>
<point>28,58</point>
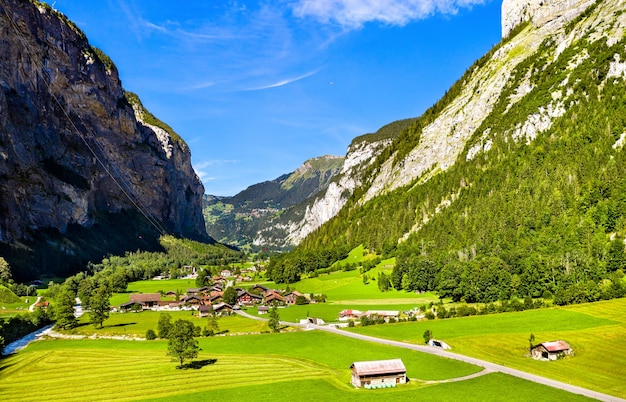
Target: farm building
<point>248,299</point>
<point>346,315</point>
<point>385,314</point>
<point>205,310</point>
<point>263,309</point>
<point>551,350</point>
<point>378,373</point>
<point>290,298</point>
<point>147,300</point>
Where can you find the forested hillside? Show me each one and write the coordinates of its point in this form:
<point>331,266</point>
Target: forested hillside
<point>535,202</point>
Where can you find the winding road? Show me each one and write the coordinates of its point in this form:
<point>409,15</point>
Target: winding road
<point>488,366</point>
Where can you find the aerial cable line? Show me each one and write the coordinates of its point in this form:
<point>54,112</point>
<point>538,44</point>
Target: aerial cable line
<point>136,201</point>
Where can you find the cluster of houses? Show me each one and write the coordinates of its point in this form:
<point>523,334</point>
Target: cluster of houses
<point>209,300</point>
<point>356,315</point>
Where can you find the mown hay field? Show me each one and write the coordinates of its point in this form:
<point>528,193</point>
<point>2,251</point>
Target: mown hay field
<point>595,331</point>
<point>303,366</point>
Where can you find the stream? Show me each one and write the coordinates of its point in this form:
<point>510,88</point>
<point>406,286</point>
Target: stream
<point>24,341</point>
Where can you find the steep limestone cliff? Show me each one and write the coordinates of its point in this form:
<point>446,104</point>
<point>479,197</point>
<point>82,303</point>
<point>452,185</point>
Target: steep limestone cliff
<point>77,152</point>
<point>540,12</point>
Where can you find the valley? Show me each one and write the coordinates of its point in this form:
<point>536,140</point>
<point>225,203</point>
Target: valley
<point>482,243</point>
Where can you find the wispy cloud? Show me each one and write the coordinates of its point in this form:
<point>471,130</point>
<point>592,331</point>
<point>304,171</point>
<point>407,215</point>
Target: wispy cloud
<point>284,82</point>
<point>203,168</point>
<point>353,14</point>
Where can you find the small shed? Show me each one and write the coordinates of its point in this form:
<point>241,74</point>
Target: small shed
<point>551,350</point>
<point>378,373</point>
<point>263,309</point>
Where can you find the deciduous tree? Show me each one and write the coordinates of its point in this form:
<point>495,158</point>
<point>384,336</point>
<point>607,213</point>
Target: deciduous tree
<point>64,308</point>
<point>181,345</point>
<point>274,319</point>
<point>99,306</point>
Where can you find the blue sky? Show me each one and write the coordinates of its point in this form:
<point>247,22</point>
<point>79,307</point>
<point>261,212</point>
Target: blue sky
<point>258,87</point>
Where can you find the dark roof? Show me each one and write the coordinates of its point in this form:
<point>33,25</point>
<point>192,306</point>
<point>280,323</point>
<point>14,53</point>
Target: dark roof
<point>245,292</point>
<point>145,297</point>
<point>205,308</point>
<point>221,306</point>
<point>375,367</point>
<point>263,308</point>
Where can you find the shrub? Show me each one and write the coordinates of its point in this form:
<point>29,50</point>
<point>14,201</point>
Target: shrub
<point>150,335</point>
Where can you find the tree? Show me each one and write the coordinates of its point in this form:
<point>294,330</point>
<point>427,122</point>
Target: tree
<point>230,295</point>
<point>64,308</point>
<point>99,306</point>
<point>181,344</point>
<point>531,339</point>
<point>150,335</point>
<point>274,320</point>
<point>203,278</point>
<point>428,335</point>
<point>164,325</point>
<point>5,270</point>
<point>212,326</point>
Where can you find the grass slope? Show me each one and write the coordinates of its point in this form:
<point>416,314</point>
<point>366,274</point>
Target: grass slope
<point>596,332</point>
<point>302,366</point>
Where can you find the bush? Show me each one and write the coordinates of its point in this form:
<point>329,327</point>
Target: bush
<point>150,335</point>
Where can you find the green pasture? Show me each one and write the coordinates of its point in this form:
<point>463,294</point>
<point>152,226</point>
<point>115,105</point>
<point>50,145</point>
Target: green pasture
<point>299,366</point>
<point>11,309</point>
<point>595,331</point>
<point>136,324</point>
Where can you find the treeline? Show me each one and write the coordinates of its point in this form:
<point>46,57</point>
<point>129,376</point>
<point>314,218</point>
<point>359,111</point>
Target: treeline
<point>536,218</point>
<point>16,327</point>
<point>287,268</point>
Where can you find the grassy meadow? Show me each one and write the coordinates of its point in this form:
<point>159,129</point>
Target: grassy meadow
<point>595,331</point>
<point>136,324</point>
<point>301,366</point>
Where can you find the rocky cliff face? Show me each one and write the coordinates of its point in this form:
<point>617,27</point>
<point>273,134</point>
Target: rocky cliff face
<point>540,12</point>
<point>74,151</point>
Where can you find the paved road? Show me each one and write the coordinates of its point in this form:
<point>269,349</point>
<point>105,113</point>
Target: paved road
<point>450,355</point>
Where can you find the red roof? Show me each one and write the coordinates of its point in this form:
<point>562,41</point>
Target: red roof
<point>555,346</point>
<point>375,367</point>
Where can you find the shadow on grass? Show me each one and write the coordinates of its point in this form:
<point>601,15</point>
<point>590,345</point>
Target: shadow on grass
<point>120,325</point>
<point>198,364</point>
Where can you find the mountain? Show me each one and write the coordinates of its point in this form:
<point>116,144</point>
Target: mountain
<point>278,214</point>
<point>259,211</point>
<point>85,169</point>
<point>513,183</point>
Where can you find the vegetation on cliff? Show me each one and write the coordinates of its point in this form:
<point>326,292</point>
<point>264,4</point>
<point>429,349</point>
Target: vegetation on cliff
<point>537,213</point>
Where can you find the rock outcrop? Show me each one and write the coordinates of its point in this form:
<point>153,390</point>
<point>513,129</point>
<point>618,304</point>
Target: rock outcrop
<point>76,150</point>
<point>540,12</point>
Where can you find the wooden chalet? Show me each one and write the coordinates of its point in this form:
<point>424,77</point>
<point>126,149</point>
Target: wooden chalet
<point>290,298</point>
<point>197,291</point>
<point>273,297</point>
<point>551,350</point>
<point>260,289</point>
<point>378,373</point>
<point>222,309</point>
<point>147,300</point>
<point>248,299</point>
<point>226,273</point>
<point>205,310</point>
<point>192,300</point>
<point>263,309</point>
